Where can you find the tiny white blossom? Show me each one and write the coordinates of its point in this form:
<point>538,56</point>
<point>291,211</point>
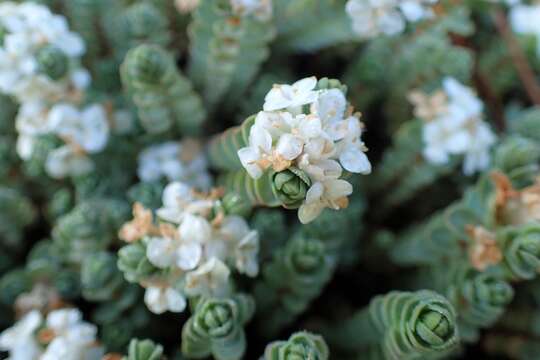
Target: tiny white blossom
<point>331,193</point>
<point>64,161</point>
<point>458,128</point>
<point>87,129</point>
<point>242,243</point>
<point>178,200</point>
<point>261,9</point>
<point>19,340</point>
<point>284,96</point>
<point>159,300</point>
<point>209,279</point>
<point>28,28</point>
<point>371,18</point>
<point>176,162</point>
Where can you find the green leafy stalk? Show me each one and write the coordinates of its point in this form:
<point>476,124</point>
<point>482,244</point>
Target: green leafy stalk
<point>301,345</point>
<point>217,328</point>
<point>226,51</point>
<point>296,275</point>
<point>163,97</point>
<point>404,325</point>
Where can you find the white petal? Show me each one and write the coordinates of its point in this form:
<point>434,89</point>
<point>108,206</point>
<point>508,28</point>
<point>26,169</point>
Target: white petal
<point>289,146</point>
<point>195,229</point>
<point>335,189</point>
<point>175,300</point>
<point>315,193</point>
<point>309,212</point>
<point>160,252</point>
<point>188,255</point>
<point>175,194</point>
<point>155,300</point>
<point>260,139</point>
<point>355,160</point>
<point>248,157</point>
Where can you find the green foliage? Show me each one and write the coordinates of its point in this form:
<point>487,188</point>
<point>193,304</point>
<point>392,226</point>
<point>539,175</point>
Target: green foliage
<point>144,350</point>
<point>216,328</point>
<point>226,51</point>
<point>294,277</point>
<point>300,345</point>
<point>163,97</point>
<point>405,325</point>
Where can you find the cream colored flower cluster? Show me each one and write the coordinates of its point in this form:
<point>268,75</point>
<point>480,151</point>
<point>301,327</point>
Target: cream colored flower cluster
<point>194,244</point>
<point>454,125</point>
<point>61,335</point>
<point>371,18</point>
<point>40,67</point>
<point>313,130</point>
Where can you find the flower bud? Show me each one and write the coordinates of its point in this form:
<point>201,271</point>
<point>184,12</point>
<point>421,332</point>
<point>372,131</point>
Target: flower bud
<point>291,187</point>
<point>52,62</point>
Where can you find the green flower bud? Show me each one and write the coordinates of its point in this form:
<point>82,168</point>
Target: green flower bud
<point>144,350</point>
<point>52,62</point>
<point>291,187</point>
<point>216,328</point>
<point>521,250</point>
<point>300,346</point>
<point>132,261</point>
<point>147,64</point>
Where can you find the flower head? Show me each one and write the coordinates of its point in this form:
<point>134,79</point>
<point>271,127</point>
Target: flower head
<point>454,125</point>
<point>304,145</point>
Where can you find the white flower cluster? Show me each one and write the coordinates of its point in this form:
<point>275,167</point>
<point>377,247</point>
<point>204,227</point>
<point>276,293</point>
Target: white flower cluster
<point>389,17</point>
<point>176,161</point>
<point>260,9</point>
<point>83,131</point>
<point>525,20</point>
<point>28,28</point>
<point>320,141</point>
<point>197,251</point>
<point>455,127</point>
<point>62,335</point>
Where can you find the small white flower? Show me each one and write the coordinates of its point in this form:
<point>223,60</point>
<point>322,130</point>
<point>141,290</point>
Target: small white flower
<point>64,161</point>
<point>176,162</point>
<point>375,17</point>
<point>28,28</point>
<point>458,129</point>
<point>242,243</point>
<point>19,340</point>
<point>178,200</point>
<point>209,279</point>
<point>289,96</point>
<point>73,338</point>
<point>261,9</point>
<point>331,193</point>
<point>330,106</point>
<point>88,128</point>
<point>160,251</point>
<point>159,300</point>
<point>371,18</point>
